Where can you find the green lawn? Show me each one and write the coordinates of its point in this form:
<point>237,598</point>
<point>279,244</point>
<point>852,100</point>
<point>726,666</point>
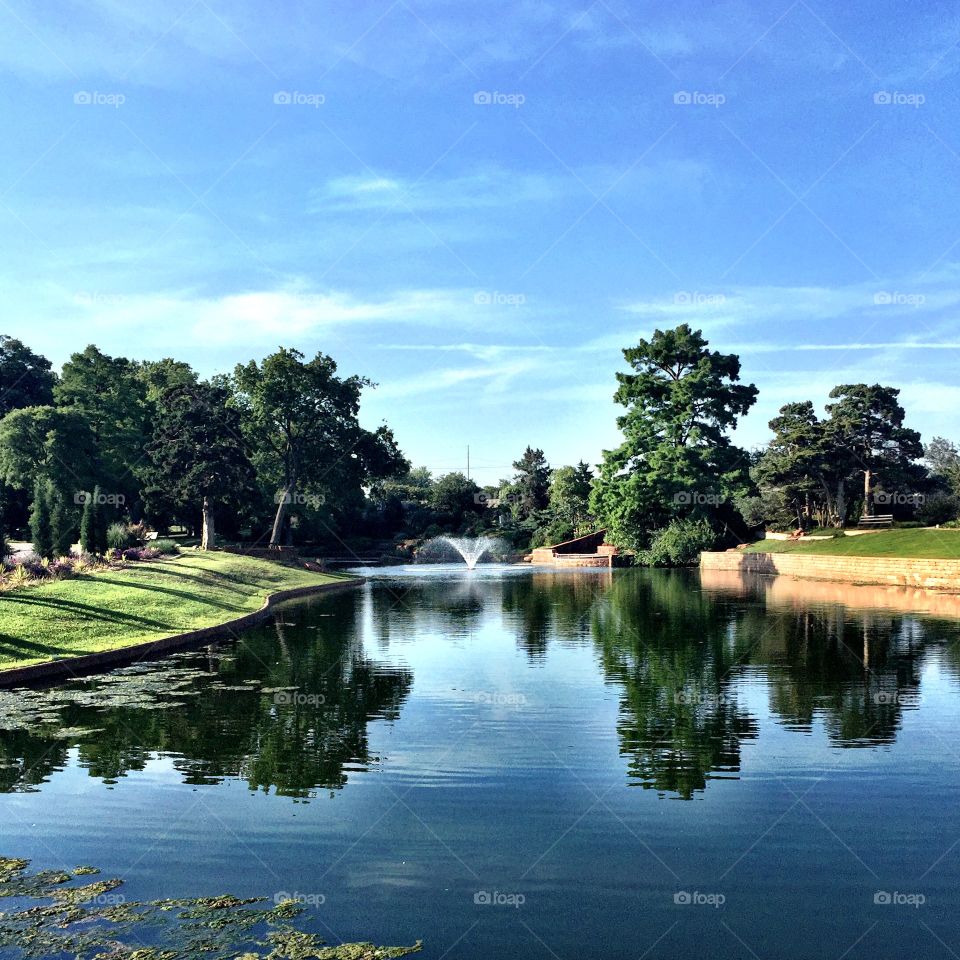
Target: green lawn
<point>927,544</point>
<point>144,601</point>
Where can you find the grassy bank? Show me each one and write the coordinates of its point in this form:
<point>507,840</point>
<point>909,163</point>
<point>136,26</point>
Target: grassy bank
<point>117,608</point>
<point>923,544</point>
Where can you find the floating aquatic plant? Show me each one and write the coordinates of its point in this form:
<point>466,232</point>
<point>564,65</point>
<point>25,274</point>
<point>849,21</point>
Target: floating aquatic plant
<point>88,921</point>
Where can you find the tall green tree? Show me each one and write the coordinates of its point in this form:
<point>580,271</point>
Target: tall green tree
<point>802,464</point>
<point>570,489</point>
<point>62,521</point>
<point>676,458</point>
<point>112,397</point>
<point>943,460</point>
<point>198,457</point>
<point>456,500</point>
<point>26,378</point>
<point>46,443</point>
<point>40,531</point>
<point>93,524</point>
<point>866,422</point>
<point>531,484</point>
<point>301,420</point>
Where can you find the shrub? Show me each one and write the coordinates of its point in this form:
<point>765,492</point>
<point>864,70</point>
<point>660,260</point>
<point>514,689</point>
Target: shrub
<point>131,553</point>
<point>165,545</point>
<point>138,532</point>
<point>18,576</point>
<point>61,568</point>
<point>678,544</point>
<point>938,508</point>
<point>31,568</point>
<point>119,536</point>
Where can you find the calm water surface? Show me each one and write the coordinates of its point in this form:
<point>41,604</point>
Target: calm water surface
<point>532,764</point>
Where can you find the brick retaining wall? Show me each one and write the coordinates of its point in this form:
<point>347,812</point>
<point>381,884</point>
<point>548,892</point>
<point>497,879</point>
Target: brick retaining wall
<point>890,571</point>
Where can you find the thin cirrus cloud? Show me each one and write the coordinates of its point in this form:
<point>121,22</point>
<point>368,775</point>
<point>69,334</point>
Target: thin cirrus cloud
<point>254,316</point>
<point>374,193</point>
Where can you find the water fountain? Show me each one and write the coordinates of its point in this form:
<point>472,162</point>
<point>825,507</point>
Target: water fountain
<point>471,549</point>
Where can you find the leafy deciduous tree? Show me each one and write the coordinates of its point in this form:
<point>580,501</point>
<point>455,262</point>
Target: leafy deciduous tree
<point>676,458</point>
<point>301,421</point>
<point>197,453</point>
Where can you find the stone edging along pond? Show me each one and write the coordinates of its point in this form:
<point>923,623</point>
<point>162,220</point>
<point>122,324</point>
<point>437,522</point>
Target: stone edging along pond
<point>94,662</point>
<point>926,574</point>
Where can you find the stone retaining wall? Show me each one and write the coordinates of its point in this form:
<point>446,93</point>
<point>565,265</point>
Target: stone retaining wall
<point>891,571</point>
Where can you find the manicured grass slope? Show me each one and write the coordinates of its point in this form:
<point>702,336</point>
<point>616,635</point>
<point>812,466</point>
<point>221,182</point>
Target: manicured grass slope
<point>926,544</point>
<point>145,601</point>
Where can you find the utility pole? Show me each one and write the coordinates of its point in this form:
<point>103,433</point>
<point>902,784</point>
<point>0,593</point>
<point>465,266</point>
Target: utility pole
<point>468,461</point>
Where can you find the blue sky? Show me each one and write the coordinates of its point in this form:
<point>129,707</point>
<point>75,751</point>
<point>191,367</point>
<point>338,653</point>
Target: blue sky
<point>479,205</point>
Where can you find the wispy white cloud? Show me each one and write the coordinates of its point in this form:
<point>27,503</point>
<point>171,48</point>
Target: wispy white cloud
<point>481,188</point>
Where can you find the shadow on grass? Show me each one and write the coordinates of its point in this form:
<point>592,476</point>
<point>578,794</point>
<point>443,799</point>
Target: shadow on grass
<point>207,577</point>
<point>12,649</point>
<point>78,609</point>
<point>182,594</point>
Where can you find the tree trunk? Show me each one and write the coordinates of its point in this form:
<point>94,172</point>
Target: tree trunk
<point>284,499</point>
<point>208,538</point>
<point>867,501</point>
<point>841,504</point>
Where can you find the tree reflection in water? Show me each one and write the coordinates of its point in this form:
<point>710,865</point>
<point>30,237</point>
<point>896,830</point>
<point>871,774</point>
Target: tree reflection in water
<point>286,710</point>
<point>287,707</point>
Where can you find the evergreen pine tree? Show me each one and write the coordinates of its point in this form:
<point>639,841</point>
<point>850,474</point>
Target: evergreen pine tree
<point>93,528</point>
<point>99,523</point>
<point>61,522</point>
<point>40,530</point>
<point>87,536</point>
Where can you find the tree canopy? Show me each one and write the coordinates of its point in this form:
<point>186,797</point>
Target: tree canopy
<point>676,458</point>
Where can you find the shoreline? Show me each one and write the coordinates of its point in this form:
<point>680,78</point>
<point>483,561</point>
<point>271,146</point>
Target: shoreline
<point>916,572</point>
<point>90,663</point>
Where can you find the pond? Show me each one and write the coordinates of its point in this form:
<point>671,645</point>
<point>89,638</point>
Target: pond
<point>524,763</point>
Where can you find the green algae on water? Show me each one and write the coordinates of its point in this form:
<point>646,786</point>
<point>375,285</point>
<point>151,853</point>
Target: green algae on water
<point>89,921</point>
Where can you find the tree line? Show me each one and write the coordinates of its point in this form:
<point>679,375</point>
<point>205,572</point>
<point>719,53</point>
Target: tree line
<point>274,453</point>
<point>678,484</point>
